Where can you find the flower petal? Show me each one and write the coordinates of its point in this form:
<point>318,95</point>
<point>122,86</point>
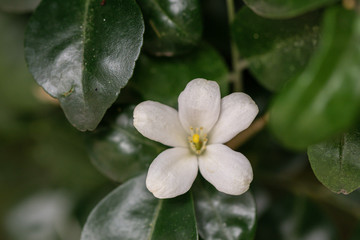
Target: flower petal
<point>238,111</point>
<point>172,173</point>
<point>160,123</point>
<point>199,104</point>
<point>229,171</point>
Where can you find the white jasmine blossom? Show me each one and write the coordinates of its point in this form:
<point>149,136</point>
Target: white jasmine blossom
<point>197,134</point>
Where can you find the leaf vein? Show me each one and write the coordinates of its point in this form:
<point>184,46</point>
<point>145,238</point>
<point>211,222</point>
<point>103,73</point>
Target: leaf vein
<point>156,216</point>
<point>83,41</point>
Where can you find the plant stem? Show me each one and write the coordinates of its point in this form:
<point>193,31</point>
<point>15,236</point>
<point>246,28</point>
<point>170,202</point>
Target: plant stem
<point>235,76</point>
<point>245,135</point>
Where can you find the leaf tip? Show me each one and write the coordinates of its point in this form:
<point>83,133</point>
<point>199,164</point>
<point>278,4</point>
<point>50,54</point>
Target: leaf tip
<point>343,191</point>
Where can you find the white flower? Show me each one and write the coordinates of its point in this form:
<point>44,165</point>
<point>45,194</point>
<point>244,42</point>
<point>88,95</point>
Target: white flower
<point>197,133</point>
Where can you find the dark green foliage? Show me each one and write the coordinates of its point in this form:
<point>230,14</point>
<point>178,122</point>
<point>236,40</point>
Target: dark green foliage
<point>118,150</point>
<point>173,74</point>
<point>325,98</point>
<point>285,8</point>
<point>131,212</point>
<point>336,162</point>
<point>276,50</point>
<point>299,61</point>
<point>83,53</point>
<point>171,27</point>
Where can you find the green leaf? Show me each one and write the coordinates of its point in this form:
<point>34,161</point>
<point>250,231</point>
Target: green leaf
<point>131,212</point>
<point>83,53</point>
<point>276,50</point>
<point>172,27</point>
<point>222,216</point>
<point>18,6</point>
<point>173,74</point>
<point>118,150</point>
<point>285,8</point>
<point>325,98</point>
<point>336,162</point>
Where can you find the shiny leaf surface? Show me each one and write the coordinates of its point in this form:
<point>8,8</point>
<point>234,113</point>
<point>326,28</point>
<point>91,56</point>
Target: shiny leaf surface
<point>285,8</point>
<point>325,98</point>
<point>222,216</point>
<point>118,150</point>
<point>83,53</point>
<point>336,163</point>
<point>173,74</point>
<point>131,212</point>
<point>276,50</point>
<point>172,27</point>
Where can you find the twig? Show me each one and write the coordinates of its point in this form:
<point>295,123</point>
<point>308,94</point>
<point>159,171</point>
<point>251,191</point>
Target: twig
<point>235,76</point>
<point>245,135</point>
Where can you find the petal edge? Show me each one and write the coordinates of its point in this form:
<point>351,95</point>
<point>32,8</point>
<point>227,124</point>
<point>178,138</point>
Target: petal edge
<point>228,171</point>
<point>160,123</point>
<point>199,104</point>
<point>172,173</point>
<point>238,111</point>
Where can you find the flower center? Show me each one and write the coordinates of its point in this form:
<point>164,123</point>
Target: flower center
<point>197,140</point>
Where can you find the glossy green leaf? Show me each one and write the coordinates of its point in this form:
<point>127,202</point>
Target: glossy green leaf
<point>325,98</point>
<point>18,6</point>
<point>162,79</point>
<point>172,27</point>
<point>83,53</point>
<point>222,216</point>
<point>285,8</point>
<point>336,163</point>
<point>118,150</point>
<point>131,212</point>
<point>276,50</point>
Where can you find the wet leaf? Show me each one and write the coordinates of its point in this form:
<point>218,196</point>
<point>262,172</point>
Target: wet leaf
<point>163,79</point>
<point>83,53</point>
<point>172,27</point>
<point>118,150</point>
<point>222,216</point>
<point>131,212</point>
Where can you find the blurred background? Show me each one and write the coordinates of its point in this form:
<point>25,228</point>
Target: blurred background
<point>48,185</point>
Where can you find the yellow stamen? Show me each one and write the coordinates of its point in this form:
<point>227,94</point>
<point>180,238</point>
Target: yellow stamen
<point>196,138</point>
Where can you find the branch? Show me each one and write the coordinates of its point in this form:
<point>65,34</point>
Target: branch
<point>245,135</point>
